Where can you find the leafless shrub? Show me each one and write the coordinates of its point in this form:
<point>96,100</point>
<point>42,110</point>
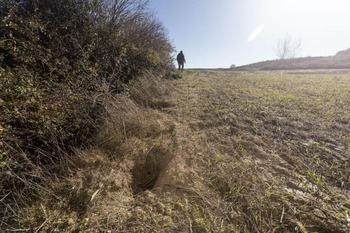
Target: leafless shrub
<point>287,48</point>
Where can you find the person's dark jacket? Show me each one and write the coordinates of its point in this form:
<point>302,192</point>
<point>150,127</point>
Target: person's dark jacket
<point>180,58</point>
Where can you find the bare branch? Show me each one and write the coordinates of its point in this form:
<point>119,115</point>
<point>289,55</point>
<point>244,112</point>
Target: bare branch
<point>287,47</point>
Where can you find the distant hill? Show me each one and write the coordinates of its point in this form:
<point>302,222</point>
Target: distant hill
<point>339,61</point>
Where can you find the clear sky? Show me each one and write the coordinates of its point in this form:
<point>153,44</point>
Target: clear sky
<point>219,33</point>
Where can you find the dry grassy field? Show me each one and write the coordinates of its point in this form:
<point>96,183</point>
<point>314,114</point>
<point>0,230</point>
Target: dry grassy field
<point>215,151</point>
<point>272,147</point>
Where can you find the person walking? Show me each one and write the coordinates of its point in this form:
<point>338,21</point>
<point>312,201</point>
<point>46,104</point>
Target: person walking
<point>181,60</point>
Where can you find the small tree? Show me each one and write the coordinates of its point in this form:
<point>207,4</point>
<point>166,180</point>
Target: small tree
<point>288,47</point>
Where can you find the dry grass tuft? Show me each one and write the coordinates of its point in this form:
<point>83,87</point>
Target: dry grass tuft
<point>149,91</point>
<point>132,146</point>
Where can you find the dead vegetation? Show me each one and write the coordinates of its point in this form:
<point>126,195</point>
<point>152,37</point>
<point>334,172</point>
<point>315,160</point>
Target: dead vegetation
<point>212,152</point>
<point>59,60</point>
<point>97,185</point>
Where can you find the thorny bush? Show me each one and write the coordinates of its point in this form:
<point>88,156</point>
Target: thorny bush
<point>54,58</point>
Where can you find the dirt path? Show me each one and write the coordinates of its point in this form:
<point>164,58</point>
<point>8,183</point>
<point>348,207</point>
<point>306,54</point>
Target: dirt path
<point>188,101</point>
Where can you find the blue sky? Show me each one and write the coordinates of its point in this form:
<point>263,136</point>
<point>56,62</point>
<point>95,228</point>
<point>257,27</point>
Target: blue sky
<point>214,33</point>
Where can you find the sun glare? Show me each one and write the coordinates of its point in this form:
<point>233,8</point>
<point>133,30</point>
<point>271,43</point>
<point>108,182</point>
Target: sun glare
<point>256,32</point>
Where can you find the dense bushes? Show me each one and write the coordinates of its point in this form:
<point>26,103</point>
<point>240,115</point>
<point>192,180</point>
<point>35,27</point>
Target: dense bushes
<point>56,55</point>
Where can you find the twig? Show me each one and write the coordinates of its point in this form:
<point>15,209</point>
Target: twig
<point>107,222</point>
<point>95,193</point>
<point>9,207</point>
<point>191,227</point>
<point>126,138</point>
<point>282,215</point>
<point>41,226</point>
<point>2,199</point>
<point>18,230</point>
